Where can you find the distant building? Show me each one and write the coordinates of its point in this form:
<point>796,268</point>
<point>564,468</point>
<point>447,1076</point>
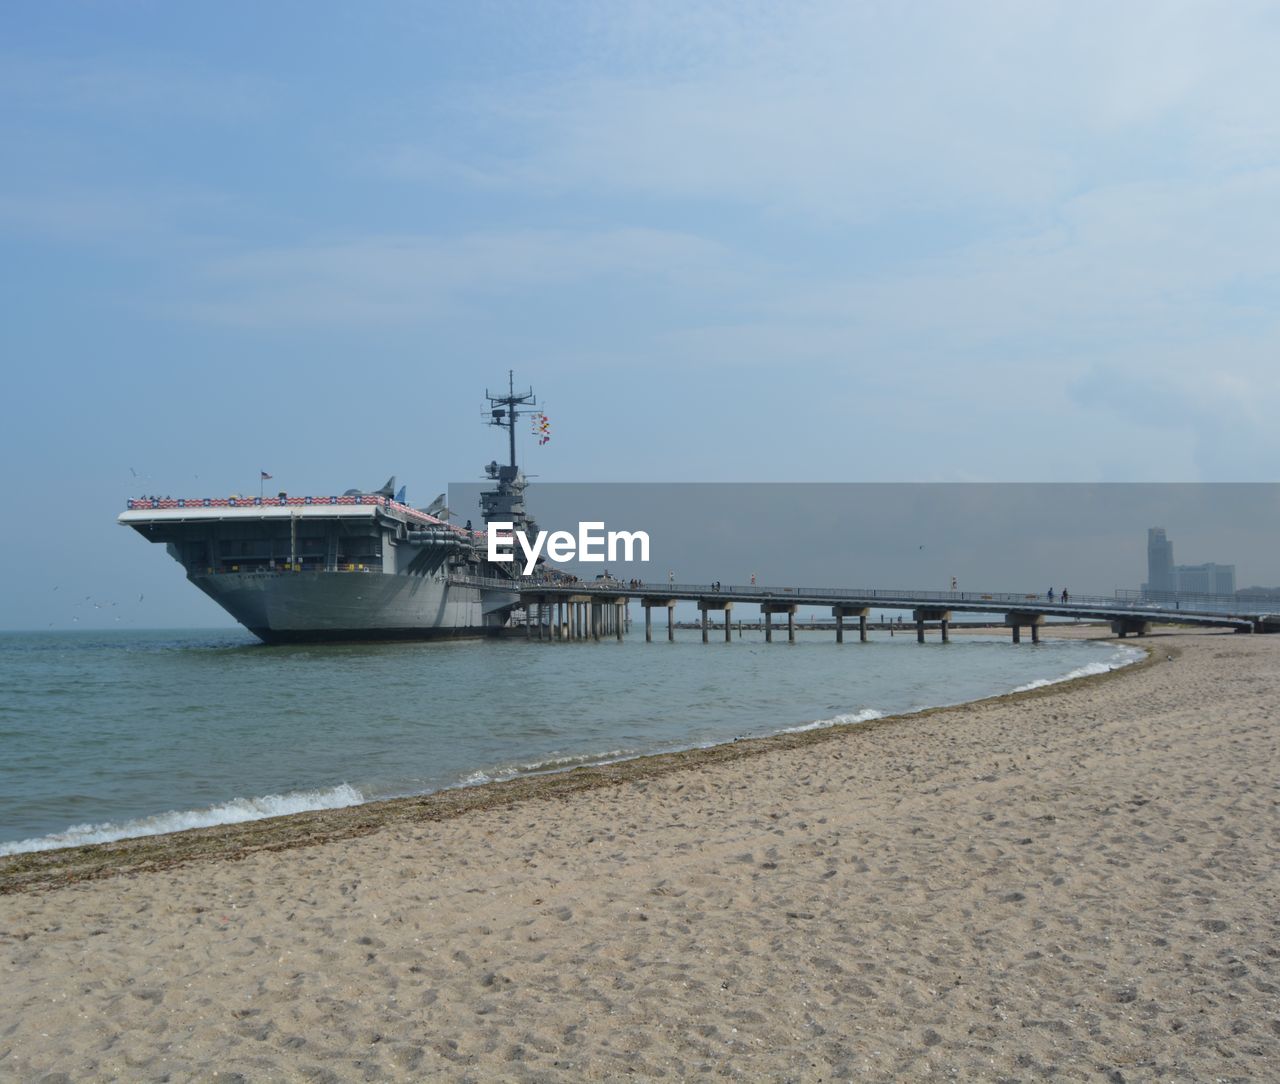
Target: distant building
<point>1159,561</point>
<point>1163,576</point>
<point>1259,594</point>
<point>1206,579</point>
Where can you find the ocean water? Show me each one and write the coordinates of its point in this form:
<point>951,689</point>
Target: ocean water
<point>106,735</point>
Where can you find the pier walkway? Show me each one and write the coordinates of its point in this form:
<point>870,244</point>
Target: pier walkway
<point>596,608</point>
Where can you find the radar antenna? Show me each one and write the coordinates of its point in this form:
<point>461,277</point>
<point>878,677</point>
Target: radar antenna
<point>505,409</point>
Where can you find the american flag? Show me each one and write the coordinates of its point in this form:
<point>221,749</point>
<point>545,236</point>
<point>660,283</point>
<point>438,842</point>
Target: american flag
<point>265,476</point>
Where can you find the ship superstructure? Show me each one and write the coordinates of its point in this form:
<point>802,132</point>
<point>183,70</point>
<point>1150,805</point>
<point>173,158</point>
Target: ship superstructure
<point>359,566</point>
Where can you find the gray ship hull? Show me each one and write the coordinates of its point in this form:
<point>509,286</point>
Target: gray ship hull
<point>306,607</point>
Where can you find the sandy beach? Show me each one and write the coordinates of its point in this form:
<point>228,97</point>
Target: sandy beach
<point>1078,883</point>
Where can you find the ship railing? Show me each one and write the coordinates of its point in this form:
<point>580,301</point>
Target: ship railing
<point>147,504</point>
<point>284,567</point>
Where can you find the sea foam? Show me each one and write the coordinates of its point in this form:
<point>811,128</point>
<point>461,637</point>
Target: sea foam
<point>236,811</point>
<point>1123,656</point>
<point>863,716</point>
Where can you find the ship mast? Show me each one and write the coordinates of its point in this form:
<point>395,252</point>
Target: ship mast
<point>505,503</point>
<point>505,409</point>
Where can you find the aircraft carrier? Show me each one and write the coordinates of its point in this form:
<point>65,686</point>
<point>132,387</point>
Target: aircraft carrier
<point>355,566</point>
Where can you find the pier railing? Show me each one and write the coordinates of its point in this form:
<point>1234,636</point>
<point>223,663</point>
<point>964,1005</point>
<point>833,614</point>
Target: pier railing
<point>1084,606</point>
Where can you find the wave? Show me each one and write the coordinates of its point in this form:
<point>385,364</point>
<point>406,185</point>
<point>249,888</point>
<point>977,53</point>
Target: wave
<point>241,810</point>
<point>236,811</point>
<point>863,716</point>
<point>1124,656</point>
<point>543,767</point>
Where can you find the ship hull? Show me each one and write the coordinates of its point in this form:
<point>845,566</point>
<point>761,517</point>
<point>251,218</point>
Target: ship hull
<point>313,607</point>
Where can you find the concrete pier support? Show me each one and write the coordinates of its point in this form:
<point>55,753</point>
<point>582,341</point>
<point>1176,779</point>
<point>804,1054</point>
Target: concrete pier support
<point>860,612</point>
<point>537,615</point>
<point>619,619</point>
<point>576,618</point>
<point>943,617</point>
<point>649,602</point>
<point>1018,618</point>
<point>706,605</point>
<point>1130,626</point>
<point>771,608</point>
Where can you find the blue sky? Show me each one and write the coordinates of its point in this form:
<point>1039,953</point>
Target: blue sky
<point>725,242</point>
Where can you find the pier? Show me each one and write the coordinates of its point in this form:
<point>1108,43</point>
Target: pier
<point>596,610</point>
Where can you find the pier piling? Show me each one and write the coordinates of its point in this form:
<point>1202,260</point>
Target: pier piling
<point>571,610</point>
<point>860,612</point>
<point>706,605</point>
<point>1018,618</point>
<point>943,617</point>
<point>771,608</point>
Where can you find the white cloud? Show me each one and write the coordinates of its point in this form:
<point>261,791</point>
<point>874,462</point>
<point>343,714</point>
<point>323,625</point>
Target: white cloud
<point>854,112</point>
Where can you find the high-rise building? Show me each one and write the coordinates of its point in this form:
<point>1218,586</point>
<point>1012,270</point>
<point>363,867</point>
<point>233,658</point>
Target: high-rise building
<point>1164,576</point>
<point>1159,561</point>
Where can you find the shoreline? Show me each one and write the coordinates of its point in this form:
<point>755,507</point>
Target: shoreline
<point>1075,882</point>
<point>54,868</point>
